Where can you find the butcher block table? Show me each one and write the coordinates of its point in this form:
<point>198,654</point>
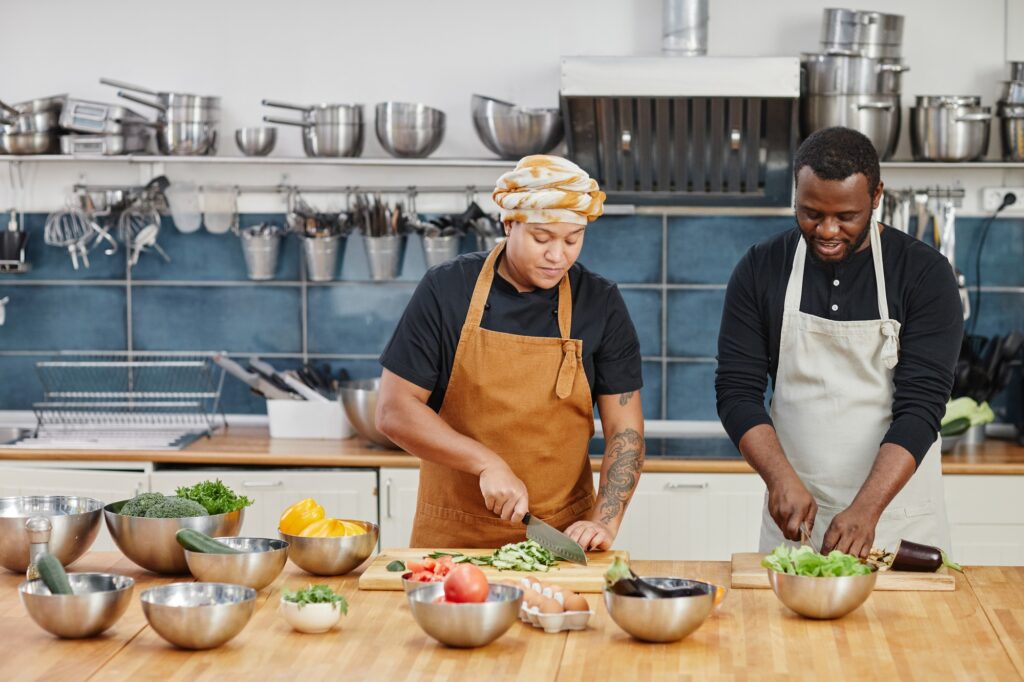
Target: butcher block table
<point>975,632</point>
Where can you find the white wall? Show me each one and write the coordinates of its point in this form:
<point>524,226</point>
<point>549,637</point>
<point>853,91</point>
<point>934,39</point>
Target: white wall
<point>437,52</point>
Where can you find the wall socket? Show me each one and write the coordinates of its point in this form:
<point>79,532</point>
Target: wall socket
<point>991,197</point>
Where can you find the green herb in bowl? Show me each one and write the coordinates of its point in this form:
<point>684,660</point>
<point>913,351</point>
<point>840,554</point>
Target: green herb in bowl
<point>805,561</point>
<point>216,497</point>
<point>315,594</point>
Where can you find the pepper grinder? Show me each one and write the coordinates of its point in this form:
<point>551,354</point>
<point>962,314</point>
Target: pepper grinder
<point>38,528</point>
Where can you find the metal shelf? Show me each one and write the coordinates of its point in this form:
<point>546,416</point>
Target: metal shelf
<point>261,161</point>
<point>960,165</point>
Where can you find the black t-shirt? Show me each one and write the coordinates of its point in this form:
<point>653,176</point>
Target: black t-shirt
<point>922,294</point>
<point>422,348</point>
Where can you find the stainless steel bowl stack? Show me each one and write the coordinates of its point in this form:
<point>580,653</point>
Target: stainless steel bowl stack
<point>74,522</point>
<point>31,127</point>
<point>855,82</point>
<point>949,128</point>
<point>100,129</point>
<point>409,130</point>
<point>1011,114</point>
<point>513,132</point>
<point>328,130</point>
<point>186,124</point>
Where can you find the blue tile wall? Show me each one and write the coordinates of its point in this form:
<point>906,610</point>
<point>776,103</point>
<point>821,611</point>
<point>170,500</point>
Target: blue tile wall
<point>203,301</point>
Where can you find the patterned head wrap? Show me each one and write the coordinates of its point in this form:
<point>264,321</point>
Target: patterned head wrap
<point>548,189</point>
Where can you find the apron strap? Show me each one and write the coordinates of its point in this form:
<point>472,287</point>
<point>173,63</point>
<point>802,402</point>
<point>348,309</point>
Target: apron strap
<point>795,286</point>
<point>890,328</point>
<point>483,288</point>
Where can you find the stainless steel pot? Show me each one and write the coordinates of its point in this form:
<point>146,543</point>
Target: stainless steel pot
<point>1011,129</point>
<point>103,145</point>
<point>186,138</point>
<point>176,106</point>
<point>38,122</point>
<point>835,74</point>
<point>328,130</point>
<point>1017,71</point>
<point>948,130</point>
<point>33,106</point>
<point>83,116</point>
<point>947,101</point>
<point>409,130</point>
<point>870,34</point>
<point>26,144</point>
<point>876,116</point>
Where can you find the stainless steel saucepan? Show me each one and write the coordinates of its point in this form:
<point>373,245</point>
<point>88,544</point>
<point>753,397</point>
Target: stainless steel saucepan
<point>328,130</point>
<point>949,128</point>
<point>174,105</point>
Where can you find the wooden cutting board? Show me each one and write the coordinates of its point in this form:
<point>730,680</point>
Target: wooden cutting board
<point>747,571</point>
<point>589,578</point>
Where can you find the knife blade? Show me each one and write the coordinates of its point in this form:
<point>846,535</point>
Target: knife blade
<point>554,540</point>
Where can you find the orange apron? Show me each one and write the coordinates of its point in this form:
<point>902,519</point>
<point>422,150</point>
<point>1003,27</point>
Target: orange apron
<point>527,399</point>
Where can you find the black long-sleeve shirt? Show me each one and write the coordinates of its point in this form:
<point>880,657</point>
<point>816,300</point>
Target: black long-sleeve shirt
<point>922,295</point>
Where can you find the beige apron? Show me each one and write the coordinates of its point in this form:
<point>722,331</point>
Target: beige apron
<point>527,399</point>
<point>832,406</point>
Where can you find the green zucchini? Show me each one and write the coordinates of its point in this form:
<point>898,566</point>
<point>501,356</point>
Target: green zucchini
<point>955,427</point>
<point>194,541</point>
<point>53,574</point>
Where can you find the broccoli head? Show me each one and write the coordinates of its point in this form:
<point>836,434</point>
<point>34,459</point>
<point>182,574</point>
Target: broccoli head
<point>175,508</point>
<point>140,504</point>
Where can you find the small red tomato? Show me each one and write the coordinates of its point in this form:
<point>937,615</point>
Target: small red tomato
<point>466,584</point>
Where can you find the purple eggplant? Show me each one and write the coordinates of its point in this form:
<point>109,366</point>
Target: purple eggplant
<point>912,556</point>
<point>621,580</point>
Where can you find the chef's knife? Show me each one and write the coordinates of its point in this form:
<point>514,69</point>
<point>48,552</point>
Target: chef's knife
<point>554,540</point>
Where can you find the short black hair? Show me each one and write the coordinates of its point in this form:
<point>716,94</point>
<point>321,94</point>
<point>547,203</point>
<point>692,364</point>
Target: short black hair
<point>836,154</point>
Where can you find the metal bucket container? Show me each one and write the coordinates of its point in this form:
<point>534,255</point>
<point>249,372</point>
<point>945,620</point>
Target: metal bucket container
<point>384,255</point>
<point>261,253</point>
<point>437,250</point>
<point>1011,128</point>
<point>321,254</point>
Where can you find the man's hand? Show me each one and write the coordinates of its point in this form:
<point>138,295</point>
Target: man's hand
<point>790,504</point>
<point>504,493</point>
<point>851,531</point>
<point>591,535</point>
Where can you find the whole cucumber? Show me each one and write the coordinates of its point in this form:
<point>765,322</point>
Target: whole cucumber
<point>194,541</point>
<point>53,574</point>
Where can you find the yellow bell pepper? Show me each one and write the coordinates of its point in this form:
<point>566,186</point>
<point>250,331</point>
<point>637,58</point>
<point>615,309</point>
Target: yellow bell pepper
<point>325,528</point>
<point>300,515</point>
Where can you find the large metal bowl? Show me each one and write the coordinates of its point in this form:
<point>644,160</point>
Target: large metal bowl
<point>663,620</point>
<point>99,600</point>
<point>465,625</point>
<point>513,132</point>
<point>151,543</point>
<point>262,561</point>
<point>198,615</point>
<point>256,141</point>
<point>822,598</point>
<point>409,130</point>
<point>332,556</point>
<point>74,523</point>
<point>359,398</point>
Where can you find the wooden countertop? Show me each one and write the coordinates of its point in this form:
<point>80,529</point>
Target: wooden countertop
<point>252,446</point>
<point>976,632</point>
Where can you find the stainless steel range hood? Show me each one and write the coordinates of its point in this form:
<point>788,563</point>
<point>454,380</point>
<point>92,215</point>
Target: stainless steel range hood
<point>684,130</point>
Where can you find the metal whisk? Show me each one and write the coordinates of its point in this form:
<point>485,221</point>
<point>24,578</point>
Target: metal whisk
<point>69,228</point>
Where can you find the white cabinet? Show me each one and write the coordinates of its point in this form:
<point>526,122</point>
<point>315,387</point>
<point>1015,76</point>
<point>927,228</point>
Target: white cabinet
<point>348,494</point>
<point>32,478</point>
<point>986,518</point>
<point>398,489</point>
<point>692,516</point>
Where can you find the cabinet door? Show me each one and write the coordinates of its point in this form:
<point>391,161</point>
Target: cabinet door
<point>398,488</point>
<point>106,486</point>
<point>985,519</point>
<point>348,494</point>
<point>692,517</point>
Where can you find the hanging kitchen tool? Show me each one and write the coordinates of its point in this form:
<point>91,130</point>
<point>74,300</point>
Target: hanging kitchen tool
<point>138,228</point>
<point>945,225</point>
<point>69,228</point>
<point>183,200</point>
<point>220,208</point>
<point>921,204</point>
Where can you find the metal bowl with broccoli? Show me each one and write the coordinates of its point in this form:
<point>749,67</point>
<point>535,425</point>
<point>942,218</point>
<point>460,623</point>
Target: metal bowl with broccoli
<point>144,527</point>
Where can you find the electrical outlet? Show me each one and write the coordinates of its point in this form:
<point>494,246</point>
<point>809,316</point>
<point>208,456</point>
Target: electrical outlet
<point>992,197</point>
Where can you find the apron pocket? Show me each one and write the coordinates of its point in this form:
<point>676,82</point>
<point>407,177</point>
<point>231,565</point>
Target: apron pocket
<point>908,512</point>
<point>559,519</point>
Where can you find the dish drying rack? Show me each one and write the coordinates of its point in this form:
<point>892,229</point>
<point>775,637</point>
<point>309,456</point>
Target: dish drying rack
<point>127,400</point>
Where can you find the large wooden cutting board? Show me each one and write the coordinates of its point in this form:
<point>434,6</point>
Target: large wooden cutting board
<point>747,571</point>
<point>589,578</point>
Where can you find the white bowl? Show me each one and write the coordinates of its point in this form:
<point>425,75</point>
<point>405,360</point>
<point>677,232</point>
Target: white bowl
<point>311,618</point>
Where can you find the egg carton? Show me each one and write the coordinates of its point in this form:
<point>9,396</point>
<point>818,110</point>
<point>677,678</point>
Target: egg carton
<point>551,622</point>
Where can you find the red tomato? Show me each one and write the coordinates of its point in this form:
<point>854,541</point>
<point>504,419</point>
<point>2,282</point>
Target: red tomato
<point>414,566</point>
<point>422,577</point>
<point>466,584</point>
<point>429,564</point>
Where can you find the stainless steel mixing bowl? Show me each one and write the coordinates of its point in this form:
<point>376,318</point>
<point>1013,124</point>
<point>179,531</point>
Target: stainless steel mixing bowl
<point>99,600</point>
<point>74,521</point>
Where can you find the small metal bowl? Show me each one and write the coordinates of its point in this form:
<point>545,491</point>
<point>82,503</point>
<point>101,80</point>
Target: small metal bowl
<point>262,561</point>
<point>663,620</point>
<point>99,600</point>
<point>822,598</point>
<point>256,141</point>
<point>74,522</point>
<point>359,398</point>
<point>332,556</point>
<point>465,625</point>
<point>198,615</point>
<point>409,130</point>
<point>151,542</point>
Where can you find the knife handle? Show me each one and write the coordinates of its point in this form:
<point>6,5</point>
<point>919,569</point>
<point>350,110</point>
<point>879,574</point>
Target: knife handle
<point>526,519</point>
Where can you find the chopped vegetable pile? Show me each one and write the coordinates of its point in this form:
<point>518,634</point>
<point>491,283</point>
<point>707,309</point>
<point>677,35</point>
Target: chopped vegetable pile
<point>519,556</point>
<point>316,594</point>
<point>805,561</point>
<point>216,497</point>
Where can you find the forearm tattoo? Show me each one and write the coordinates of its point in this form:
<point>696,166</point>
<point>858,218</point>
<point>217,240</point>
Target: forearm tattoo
<point>626,451</point>
<point>624,398</point>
